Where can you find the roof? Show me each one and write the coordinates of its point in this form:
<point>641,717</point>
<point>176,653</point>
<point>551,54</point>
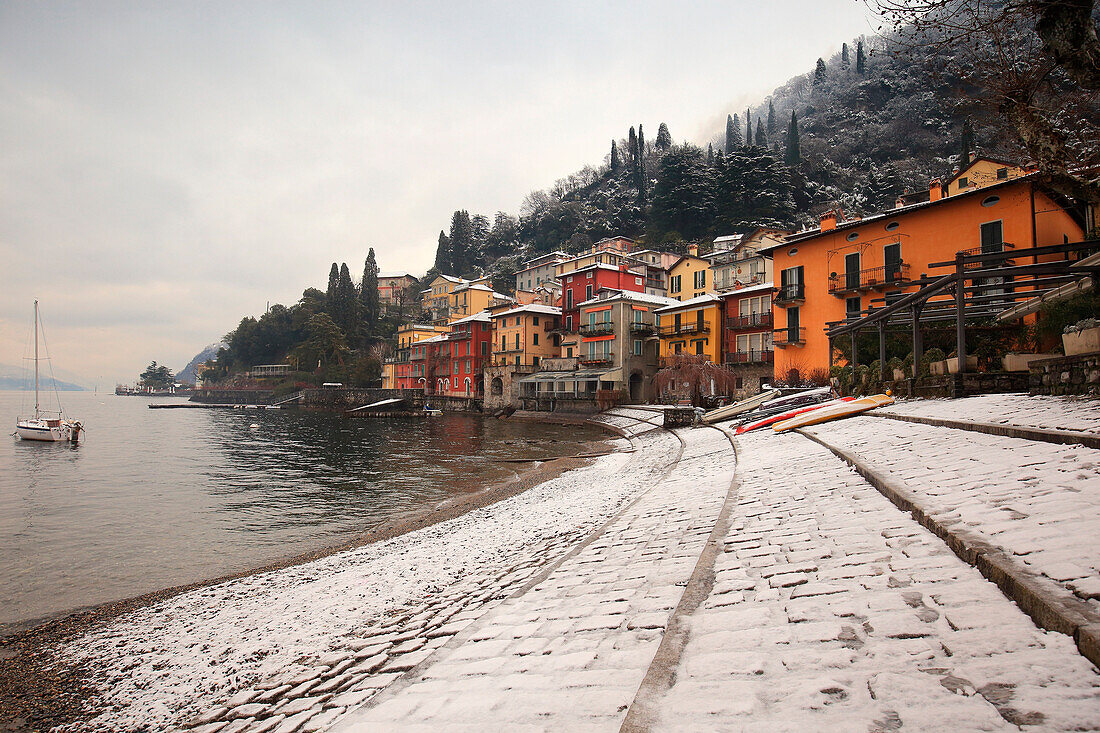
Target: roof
<point>685,257</point>
<point>536,308</point>
<point>974,161</point>
<point>432,340</point>
<point>703,299</point>
<point>396,274</point>
<point>600,266</point>
<point>632,295</point>
<point>480,316</point>
<point>728,238</point>
<point>891,213</point>
<point>746,291</point>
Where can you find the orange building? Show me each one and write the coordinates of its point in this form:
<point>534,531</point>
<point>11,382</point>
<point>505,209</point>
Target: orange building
<point>833,272</point>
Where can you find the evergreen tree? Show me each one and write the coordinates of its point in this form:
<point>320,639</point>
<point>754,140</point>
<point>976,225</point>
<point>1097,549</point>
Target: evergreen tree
<point>710,154</point>
<point>748,127</point>
<point>752,188</point>
<point>771,119</point>
<point>761,137</point>
<point>368,294</point>
<point>683,193</point>
<point>615,163</point>
<point>966,144</point>
<point>844,62</point>
<point>640,169</point>
<point>633,143</point>
<point>641,142</point>
<point>861,59</point>
<point>819,73</point>
<point>345,311</point>
<point>664,139</point>
<point>443,254</point>
<point>462,242</point>
<point>480,228</point>
<point>733,133</point>
<point>794,149</point>
<point>333,281</point>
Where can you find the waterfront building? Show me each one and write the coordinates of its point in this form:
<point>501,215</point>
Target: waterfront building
<point>739,262</point>
<point>615,358</point>
<point>523,337</point>
<point>581,285</point>
<point>436,298</point>
<point>691,326</point>
<point>843,267</point>
<point>539,270</point>
<point>457,369</point>
<point>400,370</point>
<point>473,296</point>
<point>747,335</point>
<point>613,251</point>
<point>689,277</point>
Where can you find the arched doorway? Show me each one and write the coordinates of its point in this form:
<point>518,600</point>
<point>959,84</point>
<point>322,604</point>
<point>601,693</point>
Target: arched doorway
<point>636,382</point>
<point>496,387</point>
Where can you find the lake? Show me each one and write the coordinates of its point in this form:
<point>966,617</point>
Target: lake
<point>156,498</point>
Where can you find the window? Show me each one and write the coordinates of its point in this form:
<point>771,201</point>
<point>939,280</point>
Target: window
<point>569,352</point>
<point>963,182</point>
<point>588,292</point>
<point>569,298</point>
<point>792,324</point>
<point>503,343</point>
<point>535,320</point>
<point>484,348</point>
<point>790,283</point>
<point>534,361</point>
<point>992,237</point>
<point>517,340</point>
<point>1002,174</point>
<point>891,257</point>
<point>852,307</point>
<point>699,346</point>
<point>700,279</point>
<point>674,284</point>
<point>536,339</point>
<point>454,368</point>
<point>468,367</point>
<point>792,251</point>
<point>851,271</point>
<point>852,237</point>
<point>569,323</point>
<point>638,348</point>
<point>990,201</point>
<point>637,281</point>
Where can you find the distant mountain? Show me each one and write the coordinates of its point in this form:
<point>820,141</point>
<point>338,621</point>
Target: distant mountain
<point>12,377</point>
<point>187,374</point>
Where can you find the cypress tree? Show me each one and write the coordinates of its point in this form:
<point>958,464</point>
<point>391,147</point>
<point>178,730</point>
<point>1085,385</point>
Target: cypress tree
<point>333,282</point>
<point>748,127</point>
<point>462,242</point>
<point>861,58</point>
<point>641,143</point>
<point>664,139</point>
<point>733,133</point>
<point>633,147</point>
<point>443,254</point>
<point>761,137</point>
<point>346,313</point>
<point>794,151</point>
<point>844,62</point>
<point>710,154</point>
<point>771,118</point>
<point>368,293</point>
<point>966,145</point>
<point>819,73</point>
<point>640,168</point>
<point>615,163</point>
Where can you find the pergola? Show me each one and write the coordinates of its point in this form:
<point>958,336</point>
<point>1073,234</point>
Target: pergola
<point>981,285</point>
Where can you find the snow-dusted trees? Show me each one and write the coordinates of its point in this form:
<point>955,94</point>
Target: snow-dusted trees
<point>820,74</point>
<point>664,139</point>
<point>733,133</point>
<point>683,193</point>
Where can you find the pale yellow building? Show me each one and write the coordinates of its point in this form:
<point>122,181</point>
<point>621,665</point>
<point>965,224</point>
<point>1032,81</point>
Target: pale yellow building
<point>689,277</point>
<point>982,172</point>
<point>693,326</point>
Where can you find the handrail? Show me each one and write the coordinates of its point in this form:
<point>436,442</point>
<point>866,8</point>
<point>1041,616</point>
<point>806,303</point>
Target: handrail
<point>751,357</point>
<point>790,292</point>
<point>685,328</point>
<point>597,329</point>
<point>752,320</point>
<point>872,277</point>
<point>783,336</point>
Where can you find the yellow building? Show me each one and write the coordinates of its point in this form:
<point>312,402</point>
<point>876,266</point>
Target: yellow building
<point>693,326</point>
<point>437,296</point>
<point>468,298</point>
<point>982,172</point>
<point>522,335</point>
<point>397,369</point>
<point>689,277</point>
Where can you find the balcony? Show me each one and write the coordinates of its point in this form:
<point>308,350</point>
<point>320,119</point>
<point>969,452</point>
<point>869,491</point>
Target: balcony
<point>994,250</point>
<point>642,328</point>
<point>750,357</point>
<point>604,328</point>
<point>751,320</point>
<point>736,283</point>
<point>458,335</point>
<point>894,275</point>
<point>783,337</point>
<point>795,293</point>
<point>597,360</point>
<point>684,329</point>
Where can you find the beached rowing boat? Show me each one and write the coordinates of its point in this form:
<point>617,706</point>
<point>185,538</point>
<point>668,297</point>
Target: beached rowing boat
<point>835,412</point>
<point>771,419</point>
<point>730,411</point>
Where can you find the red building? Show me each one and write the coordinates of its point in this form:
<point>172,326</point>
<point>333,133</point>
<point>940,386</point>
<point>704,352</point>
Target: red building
<point>410,363</point>
<point>747,343</point>
<point>583,284</point>
<point>456,361</point>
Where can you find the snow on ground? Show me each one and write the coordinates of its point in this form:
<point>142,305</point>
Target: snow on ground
<point>162,664</point>
<point>832,610</point>
<point>1039,502</point>
<point>1023,410</point>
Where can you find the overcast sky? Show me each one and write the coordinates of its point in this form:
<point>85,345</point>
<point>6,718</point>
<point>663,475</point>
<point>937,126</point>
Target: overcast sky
<point>169,167</point>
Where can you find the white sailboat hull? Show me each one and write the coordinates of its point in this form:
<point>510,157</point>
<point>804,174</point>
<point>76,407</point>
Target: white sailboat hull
<point>41,431</point>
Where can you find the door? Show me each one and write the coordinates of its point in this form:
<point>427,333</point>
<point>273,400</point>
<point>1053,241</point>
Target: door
<point>891,256</point>
<point>792,325</point>
<point>851,271</point>
<point>992,234</point>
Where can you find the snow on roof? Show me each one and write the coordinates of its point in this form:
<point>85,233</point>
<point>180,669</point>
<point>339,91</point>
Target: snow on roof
<point>628,295</point>
<point>396,274</point>
<point>536,308</point>
<point>480,316</point>
<point>432,340</point>
<point>690,303</point>
<point>746,291</point>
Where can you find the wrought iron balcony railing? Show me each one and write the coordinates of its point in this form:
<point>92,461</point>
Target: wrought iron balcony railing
<point>895,275</point>
<point>790,294</point>
<point>690,327</point>
<point>750,357</point>
<point>789,336</point>
<point>597,329</point>
<point>751,320</point>
<point>642,328</point>
<point>596,360</point>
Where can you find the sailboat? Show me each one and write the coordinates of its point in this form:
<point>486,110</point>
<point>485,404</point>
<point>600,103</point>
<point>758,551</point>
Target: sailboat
<point>46,425</point>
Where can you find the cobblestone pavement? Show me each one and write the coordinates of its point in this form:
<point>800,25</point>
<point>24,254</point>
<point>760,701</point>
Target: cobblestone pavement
<point>832,610</point>
<point>291,650</point>
<point>570,653</point>
<point>1038,502</point>
<point>1080,414</point>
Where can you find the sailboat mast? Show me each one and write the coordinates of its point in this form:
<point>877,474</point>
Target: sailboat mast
<point>36,360</point>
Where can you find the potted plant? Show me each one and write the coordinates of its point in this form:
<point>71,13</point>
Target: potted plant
<point>896,366</point>
<point>952,363</point>
<point>1082,337</point>
<point>936,360</point>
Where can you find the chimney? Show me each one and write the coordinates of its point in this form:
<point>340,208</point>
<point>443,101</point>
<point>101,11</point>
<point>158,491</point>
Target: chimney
<point>935,190</point>
<point>693,249</point>
<point>899,202</point>
<point>828,221</point>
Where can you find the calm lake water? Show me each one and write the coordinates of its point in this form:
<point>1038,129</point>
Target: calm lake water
<point>156,498</point>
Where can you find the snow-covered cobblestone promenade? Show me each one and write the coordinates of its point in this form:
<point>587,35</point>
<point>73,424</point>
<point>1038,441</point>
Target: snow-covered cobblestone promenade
<point>679,587</point>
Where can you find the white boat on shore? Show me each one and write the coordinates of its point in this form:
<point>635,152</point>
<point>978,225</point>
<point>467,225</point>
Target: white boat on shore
<point>47,426</point>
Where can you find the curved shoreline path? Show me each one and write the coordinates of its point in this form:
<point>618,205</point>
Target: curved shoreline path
<point>698,583</point>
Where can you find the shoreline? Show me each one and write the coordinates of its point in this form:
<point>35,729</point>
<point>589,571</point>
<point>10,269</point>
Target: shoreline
<point>37,694</point>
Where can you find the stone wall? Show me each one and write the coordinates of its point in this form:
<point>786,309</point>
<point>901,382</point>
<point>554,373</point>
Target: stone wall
<point>233,396</point>
<point>1067,375</point>
<point>346,398</point>
<point>753,377</point>
<point>509,375</point>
